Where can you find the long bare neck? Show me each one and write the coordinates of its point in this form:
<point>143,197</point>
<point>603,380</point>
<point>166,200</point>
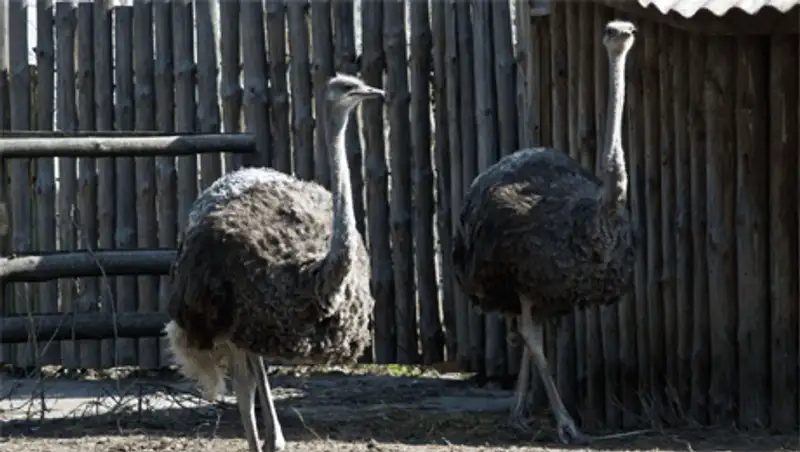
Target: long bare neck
<point>344,222</point>
<point>612,164</point>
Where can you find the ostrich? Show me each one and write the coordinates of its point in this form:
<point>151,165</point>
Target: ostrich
<point>539,235</point>
<point>272,267</point>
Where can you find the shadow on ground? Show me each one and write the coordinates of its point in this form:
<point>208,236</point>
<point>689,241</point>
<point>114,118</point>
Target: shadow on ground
<point>384,409</point>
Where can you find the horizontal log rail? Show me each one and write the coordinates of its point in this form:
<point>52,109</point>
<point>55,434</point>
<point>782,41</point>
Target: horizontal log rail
<point>83,263</point>
<point>95,325</point>
<point>126,146</point>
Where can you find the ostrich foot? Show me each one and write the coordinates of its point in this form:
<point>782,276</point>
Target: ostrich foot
<point>519,422</point>
<point>276,445</point>
<point>568,433</point>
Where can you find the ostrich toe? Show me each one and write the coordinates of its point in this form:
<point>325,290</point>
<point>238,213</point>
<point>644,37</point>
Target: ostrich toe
<point>568,433</point>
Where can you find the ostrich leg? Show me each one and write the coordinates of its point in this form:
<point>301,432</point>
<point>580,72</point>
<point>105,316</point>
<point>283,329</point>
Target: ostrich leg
<point>531,331</point>
<point>517,419</point>
<point>273,434</point>
<point>244,386</point>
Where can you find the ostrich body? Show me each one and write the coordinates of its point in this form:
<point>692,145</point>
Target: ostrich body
<point>539,235</point>
<point>272,267</point>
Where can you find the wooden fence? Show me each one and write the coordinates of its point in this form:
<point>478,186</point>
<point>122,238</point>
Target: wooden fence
<point>452,70</point>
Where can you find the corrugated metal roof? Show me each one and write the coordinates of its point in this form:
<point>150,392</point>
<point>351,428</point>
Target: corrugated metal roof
<point>688,8</point>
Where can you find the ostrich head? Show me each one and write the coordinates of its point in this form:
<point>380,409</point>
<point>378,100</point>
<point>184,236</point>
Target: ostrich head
<point>618,36</point>
<point>346,92</point>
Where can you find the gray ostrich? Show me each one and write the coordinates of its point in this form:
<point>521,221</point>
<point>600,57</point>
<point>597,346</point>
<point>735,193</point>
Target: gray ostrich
<point>272,267</point>
<point>540,235</point>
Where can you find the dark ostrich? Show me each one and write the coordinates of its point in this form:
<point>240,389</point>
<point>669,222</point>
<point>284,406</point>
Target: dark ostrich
<point>539,235</point>
<point>273,267</point>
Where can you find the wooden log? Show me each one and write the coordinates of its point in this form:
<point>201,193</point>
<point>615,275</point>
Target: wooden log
<point>88,350</point>
<point>701,365</point>
<point>131,146</point>
<point>752,229</point>
<point>344,37</point>
<point>397,100</point>
<point>20,196</point>
<point>377,179</point>
<point>321,70</point>
<point>5,123</point>
<point>684,274</point>
<point>454,137</point>
<point>104,117</point>
<point>45,328</point>
<point>126,215</point>
<point>430,322</point>
<point>279,89</point>
<point>256,92</point>
<point>634,356</point>
<point>89,132</point>
<point>145,119</point>
<point>721,215</point>
<point>441,150</point>
<point>487,153</point>
<point>208,117</point>
<point>614,332</point>
<point>469,158</point>
<point>230,89</point>
<point>45,200</point>
<point>166,173</point>
<point>565,359</point>
<point>74,264</point>
<point>185,106</point>
<point>505,86</point>
<point>667,152</point>
<point>588,144</point>
<point>783,220</point>
<point>301,92</point>
<point>652,160</point>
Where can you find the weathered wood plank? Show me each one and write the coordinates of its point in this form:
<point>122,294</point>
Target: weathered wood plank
<point>89,293</point>
<point>666,151</point>
<point>321,70</point>
<point>377,178</point>
<point>6,308</point>
<point>487,153</point>
<point>469,156</point>
<point>145,119</point>
<point>684,273</point>
<point>783,234</point>
<point>166,173</point>
<point>652,160</point>
<point>430,323</point>
<point>721,240</point>
<point>454,137</point>
<point>208,56</point>
<point>441,143</point>
<point>125,221</point>
<point>279,89</point>
<point>701,348</point>
<point>104,120</point>
<point>185,88</point>
<point>230,88</point>
<point>20,196</point>
<point>300,79</point>
<point>45,200</point>
<point>397,102</point>
<point>752,201</point>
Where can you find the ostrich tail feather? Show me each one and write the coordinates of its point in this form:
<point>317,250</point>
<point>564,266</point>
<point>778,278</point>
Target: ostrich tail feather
<point>204,366</point>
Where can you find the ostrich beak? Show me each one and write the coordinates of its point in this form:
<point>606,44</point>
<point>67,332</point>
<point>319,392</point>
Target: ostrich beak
<point>369,92</point>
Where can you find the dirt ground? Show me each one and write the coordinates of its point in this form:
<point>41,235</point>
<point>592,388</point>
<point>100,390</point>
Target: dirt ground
<point>336,411</point>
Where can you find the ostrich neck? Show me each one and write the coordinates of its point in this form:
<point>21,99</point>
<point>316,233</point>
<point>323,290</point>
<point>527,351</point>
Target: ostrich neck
<point>344,222</point>
<point>613,169</point>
